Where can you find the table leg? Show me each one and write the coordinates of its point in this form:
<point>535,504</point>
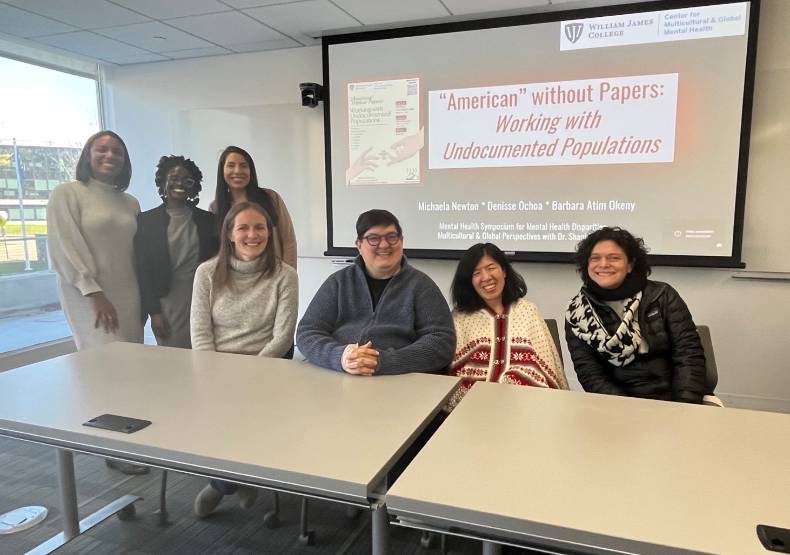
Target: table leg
<point>72,526</point>
<point>68,494</point>
<point>380,523</point>
<point>491,548</point>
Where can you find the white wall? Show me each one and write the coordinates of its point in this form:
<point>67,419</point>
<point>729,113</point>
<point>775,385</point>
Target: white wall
<point>154,107</point>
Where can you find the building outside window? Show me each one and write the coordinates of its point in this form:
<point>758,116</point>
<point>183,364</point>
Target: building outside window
<point>45,117</point>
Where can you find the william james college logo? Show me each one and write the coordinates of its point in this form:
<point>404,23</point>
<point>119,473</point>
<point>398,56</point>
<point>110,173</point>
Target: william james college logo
<point>573,31</point>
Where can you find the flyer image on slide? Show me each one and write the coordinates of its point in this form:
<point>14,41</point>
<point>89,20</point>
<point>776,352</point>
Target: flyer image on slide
<point>384,134</point>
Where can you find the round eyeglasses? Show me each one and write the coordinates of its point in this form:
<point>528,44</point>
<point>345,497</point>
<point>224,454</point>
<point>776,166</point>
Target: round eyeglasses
<point>375,240</point>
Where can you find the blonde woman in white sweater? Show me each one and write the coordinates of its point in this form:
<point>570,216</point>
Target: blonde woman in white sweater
<point>243,301</point>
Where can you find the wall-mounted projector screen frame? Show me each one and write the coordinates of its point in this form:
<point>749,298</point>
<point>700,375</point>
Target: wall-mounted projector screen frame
<point>635,115</point>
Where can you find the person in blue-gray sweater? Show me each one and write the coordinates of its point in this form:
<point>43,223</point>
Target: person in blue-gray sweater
<point>380,315</point>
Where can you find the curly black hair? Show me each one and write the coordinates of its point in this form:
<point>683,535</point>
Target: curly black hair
<point>634,248</point>
<point>167,163</point>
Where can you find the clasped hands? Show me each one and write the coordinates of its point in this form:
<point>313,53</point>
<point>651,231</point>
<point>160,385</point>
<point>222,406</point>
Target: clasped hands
<point>361,360</point>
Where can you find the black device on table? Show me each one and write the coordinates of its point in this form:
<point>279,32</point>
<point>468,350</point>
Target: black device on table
<point>116,423</point>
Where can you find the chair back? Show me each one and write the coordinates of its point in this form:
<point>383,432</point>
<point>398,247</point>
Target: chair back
<point>551,323</point>
<point>711,372</point>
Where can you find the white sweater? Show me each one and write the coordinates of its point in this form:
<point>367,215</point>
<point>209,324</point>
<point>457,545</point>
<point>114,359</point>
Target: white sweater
<point>91,233</point>
<point>254,316</point>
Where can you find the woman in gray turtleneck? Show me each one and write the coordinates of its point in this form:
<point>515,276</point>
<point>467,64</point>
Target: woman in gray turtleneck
<point>244,301</point>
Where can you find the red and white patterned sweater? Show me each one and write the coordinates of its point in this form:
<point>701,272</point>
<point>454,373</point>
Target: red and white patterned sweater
<point>514,347</point>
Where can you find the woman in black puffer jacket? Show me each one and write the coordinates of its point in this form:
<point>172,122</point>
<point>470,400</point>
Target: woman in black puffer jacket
<point>628,335</point>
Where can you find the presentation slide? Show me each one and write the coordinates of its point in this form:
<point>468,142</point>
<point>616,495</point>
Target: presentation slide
<point>532,135</point>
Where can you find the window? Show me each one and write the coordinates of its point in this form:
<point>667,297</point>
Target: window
<point>46,117</point>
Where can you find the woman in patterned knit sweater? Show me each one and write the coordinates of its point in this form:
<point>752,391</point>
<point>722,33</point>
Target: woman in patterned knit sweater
<point>501,335</point>
<point>244,301</point>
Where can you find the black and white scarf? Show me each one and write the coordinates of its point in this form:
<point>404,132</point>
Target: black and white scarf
<point>620,348</point>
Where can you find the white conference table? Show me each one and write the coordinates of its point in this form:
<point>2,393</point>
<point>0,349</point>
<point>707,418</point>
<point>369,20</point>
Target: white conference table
<point>274,423</point>
<point>582,473</point>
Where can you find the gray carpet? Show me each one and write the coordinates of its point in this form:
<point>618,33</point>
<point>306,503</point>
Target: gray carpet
<point>27,477</point>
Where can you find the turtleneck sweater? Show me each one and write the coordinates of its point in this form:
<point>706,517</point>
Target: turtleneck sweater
<point>254,314</point>
<point>91,240</point>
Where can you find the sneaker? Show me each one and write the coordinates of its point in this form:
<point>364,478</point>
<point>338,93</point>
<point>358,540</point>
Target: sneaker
<point>206,501</point>
<point>247,496</point>
<point>127,468</point>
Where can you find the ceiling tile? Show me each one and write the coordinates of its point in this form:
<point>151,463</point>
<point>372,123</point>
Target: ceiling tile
<point>197,52</point>
<point>154,36</point>
<point>459,7</point>
<point>240,4</point>
<point>285,42</point>
<point>166,9</point>
<point>91,44</point>
<point>87,14</point>
<point>189,27</point>
<point>137,59</point>
<point>25,24</point>
<point>375,13</point>
<point>307,18</point>
<point>226,28</point>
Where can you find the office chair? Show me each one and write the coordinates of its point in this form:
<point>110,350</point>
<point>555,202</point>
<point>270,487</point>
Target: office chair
<point>551,323</point>
<point>711,372</point>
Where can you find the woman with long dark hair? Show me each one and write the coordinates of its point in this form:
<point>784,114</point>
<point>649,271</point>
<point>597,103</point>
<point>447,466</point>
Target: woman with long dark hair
<point>501,336</point>
<point>629,335</point>
<point>244,301</point>
<point>171,240</point>
<point>91,225</point>
<point>237,181</point>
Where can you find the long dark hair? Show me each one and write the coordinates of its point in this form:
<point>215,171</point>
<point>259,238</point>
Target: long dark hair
<point>223,199</point>
<point>465,298</point>
<point>84,172</point>
<point>222,271</point>
<point>167,163</point>
<point>634,248</point>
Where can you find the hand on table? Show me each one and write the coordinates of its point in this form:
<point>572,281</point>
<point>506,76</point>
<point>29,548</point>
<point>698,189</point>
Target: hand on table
<point>360,360</point>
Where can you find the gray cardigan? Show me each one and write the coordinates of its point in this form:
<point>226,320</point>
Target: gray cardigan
<point>411,326</point>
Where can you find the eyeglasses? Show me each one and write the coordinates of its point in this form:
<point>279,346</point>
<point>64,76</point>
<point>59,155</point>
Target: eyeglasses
<point>187,182</point>
<point>375,240</point>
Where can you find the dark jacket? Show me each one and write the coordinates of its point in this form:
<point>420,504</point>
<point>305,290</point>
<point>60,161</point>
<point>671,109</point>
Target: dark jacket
<point>672,370</point>
<point>152,255</point>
